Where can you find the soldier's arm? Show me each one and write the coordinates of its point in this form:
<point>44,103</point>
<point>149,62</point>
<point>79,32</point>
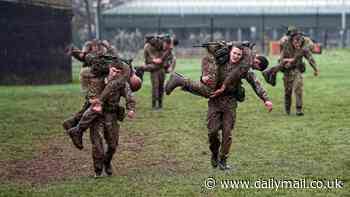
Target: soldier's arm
<point>111,86</point>
<point>130,101</point>
<point>208,72</point>
<point>78,54</point>
<point>256,85</point>
<point>310,59</point>
<point>233,78</point>
<point>149,54</point>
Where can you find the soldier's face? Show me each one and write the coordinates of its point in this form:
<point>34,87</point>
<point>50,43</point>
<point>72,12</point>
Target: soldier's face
<point>235,55</point>
<point>114,72</point>
<point>166,45</point>
<point>297,41</point>
<point>256,64</point>
<point>94,48</point>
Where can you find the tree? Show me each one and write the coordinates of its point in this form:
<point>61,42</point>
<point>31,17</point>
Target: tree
<point>86,10</point>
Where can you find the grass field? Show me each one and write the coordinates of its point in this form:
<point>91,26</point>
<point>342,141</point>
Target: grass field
<point>165,153</point>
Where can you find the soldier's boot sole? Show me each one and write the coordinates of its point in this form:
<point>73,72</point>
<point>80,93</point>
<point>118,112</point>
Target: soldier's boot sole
<point>175,80</point>
<point>76,137</point>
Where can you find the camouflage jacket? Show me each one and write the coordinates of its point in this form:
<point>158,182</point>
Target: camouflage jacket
<point>151,52</point>
<point>246,73</point>
<point>114,90</point>
<point>288,51</point>
<point>209,69</point>
<point>168,58</point>
<point>308,43</point>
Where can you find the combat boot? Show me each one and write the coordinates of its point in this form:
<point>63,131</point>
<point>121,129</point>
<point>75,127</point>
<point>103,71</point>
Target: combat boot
<point>270,76</point>
<point>70,123</point>
<point>299,111</point>
<point>139,72</point>
<point>175,80</point>
<point>76,136</point>
<point>98,174</point>
<point>160,103</point>
<point>108,168</point>
<point>223,165</point>
<point>154,104</point>
<point>214,160</point>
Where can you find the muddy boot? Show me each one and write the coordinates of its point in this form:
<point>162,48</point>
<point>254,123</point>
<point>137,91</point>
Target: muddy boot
<point>77,137</point>
<point>70,123</point>
<point>160,103</point>
<point>175,80</point>
<point>270,76</point>
<point>223,165</point>
<point>154,104</point>
<point>108,168</point>
<point>299,111</point>
<point>214,160</point>
<point>98,174</point>
<point>139,72</point>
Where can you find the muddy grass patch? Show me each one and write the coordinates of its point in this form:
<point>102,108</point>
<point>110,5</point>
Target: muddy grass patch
<point>58,160</point>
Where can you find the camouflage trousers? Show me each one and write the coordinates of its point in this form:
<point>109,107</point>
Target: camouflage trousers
<point>197,88</point>
<point>107,126</point>
<point>293,80</point>
<point>221,116</point>
<point>157,80</point>
<point>92,86</point>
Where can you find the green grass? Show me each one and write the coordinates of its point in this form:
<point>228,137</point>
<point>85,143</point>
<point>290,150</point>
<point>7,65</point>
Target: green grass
<point>265,145</point>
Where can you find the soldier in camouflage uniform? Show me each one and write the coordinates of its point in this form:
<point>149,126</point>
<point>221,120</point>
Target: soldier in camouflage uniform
<point>206,87</point>
<point>94,72</point>
<point>167,58</point>
<point>222,108</point>
<point>76,132</point>
<point>91,83</point>
<point>102,117</point>
<point>292,55</point>
<point>154,55</point>
<point>307,45</point>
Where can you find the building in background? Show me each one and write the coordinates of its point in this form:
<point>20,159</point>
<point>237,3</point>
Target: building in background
<point>193,21</point>
<point>33,37</point>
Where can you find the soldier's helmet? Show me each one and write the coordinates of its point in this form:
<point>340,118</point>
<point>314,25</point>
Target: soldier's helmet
<point>135,83</point>
<point>292,30</point>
